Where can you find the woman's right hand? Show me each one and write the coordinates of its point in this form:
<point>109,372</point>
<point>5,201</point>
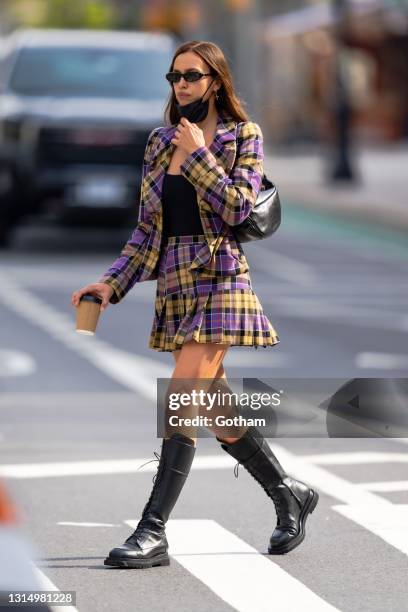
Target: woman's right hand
<point>100,290</point>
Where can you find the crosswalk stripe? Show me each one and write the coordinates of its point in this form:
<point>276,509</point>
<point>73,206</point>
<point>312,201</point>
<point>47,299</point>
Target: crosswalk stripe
<point>385,486</point>
<point>85,524</point>
<point>390,525</point>
<point>113,466</point>
<point>235,571</point>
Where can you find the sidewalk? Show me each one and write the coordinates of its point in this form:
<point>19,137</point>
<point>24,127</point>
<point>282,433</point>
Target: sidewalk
<point>380,194</point>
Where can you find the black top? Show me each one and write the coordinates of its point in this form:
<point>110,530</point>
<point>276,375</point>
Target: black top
<point>181,215</point>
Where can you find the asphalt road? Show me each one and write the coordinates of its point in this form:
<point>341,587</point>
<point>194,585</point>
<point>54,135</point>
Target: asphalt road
<point>78,417</point>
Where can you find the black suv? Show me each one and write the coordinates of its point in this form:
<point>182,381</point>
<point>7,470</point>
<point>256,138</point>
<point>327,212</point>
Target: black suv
<point>76,108</point>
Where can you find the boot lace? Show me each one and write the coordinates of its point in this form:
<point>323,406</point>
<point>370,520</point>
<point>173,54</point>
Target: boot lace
<point>145,519</point>
<point>157,459</point>
<point>143,527</point>
<point>236,469</point>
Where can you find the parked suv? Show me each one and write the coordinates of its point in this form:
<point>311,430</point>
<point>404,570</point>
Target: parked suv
<point>76,108</point>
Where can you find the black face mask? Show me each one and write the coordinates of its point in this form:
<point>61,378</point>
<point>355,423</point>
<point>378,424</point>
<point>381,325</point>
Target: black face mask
<point>195,111</point>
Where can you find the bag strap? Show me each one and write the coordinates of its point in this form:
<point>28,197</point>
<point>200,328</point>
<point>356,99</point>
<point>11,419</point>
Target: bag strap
<point>266,183</point>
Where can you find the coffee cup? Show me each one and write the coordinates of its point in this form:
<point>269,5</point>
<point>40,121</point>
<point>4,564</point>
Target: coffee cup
<point>88,312</point>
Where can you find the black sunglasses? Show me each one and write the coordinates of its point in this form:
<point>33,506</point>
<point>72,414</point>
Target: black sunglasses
<point>190,76</point>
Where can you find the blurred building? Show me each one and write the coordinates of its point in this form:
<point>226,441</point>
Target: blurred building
<point>283,54</point>
<point>300,52</point>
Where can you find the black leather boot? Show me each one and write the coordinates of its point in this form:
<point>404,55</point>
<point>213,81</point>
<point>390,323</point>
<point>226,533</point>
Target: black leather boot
<point>147,546</point>
<point>293,499</point>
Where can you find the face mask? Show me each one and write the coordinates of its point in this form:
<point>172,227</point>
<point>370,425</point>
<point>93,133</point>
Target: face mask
<point>195,111</point>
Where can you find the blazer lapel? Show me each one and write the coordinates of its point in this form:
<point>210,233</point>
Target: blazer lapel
<point>223,148</point>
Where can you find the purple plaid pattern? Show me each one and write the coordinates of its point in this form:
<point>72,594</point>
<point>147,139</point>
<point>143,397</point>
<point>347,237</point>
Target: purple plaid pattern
<point>232,197</point>
<point>227,177</point>
<point>203,307</point>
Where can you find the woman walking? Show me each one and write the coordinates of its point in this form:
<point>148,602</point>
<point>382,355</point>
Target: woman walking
<point>201,176</point>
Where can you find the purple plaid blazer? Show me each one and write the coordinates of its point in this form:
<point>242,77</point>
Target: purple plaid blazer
<point>227,177</point>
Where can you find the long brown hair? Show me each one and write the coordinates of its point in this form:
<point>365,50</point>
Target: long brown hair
<point>227,102</point>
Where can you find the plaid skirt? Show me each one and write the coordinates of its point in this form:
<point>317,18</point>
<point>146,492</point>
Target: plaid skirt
<point>224,310</point>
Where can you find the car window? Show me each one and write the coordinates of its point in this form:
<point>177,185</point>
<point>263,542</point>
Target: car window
<point>71,71</point>
<point>6,61</point>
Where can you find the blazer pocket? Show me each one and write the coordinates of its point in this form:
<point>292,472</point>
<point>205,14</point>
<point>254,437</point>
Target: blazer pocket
<point>226,261</point>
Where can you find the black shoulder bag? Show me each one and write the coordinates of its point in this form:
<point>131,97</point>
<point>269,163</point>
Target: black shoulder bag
<point>265,217</point>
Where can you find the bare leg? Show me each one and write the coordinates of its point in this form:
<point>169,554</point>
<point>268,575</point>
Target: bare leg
<point>219,376</point>
<point>194,361</point>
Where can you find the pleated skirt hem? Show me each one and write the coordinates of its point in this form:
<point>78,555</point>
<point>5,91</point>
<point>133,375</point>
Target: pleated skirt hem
<point>231,317</point>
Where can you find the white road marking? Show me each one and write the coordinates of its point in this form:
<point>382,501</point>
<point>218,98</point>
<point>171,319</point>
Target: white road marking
<point>137,373</point>
<point>47,585</point>
<point>382,361</point>
<point>226,564</point>
<point>16,363</point>
<point>201,462</point>
<point>385,486</point>
<point>114,466</point>
<point>76,524</point>
<point>391,525</point>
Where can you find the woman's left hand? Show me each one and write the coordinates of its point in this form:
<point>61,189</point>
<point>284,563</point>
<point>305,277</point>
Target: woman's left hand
<point>188,136</point>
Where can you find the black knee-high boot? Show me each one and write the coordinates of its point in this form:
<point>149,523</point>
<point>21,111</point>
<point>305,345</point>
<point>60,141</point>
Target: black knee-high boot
<point>147,546</point>
<point>293,499</point>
